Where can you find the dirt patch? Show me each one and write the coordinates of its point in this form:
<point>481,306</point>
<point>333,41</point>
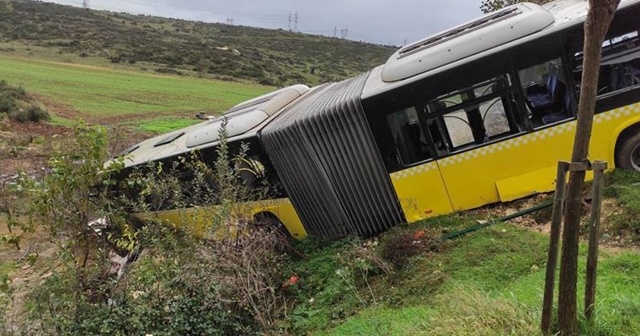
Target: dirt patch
<point>59,109</point>
<point>540,221</point>
<point>34,262</point>
<point>25,146</point>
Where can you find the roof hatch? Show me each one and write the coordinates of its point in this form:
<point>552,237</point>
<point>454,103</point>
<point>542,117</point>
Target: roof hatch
<point>487,32</point>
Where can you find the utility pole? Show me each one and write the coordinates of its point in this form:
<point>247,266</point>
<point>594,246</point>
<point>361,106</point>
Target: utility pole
<point>85,4</point>
<point>344,33</point>
<point>295,23</point>
<point>335,31</point>
<point>289,21</point>
<point>230,21</point>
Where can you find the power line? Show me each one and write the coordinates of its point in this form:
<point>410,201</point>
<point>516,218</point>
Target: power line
<point>290,20</point>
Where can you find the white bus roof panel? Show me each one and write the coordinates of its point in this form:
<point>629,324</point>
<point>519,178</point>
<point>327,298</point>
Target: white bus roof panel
<point>243,119</point>
<point>473,37</point>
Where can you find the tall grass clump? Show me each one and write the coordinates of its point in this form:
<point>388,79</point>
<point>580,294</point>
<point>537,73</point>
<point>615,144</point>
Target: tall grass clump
<point>624,187</point>
<point>465,311</point>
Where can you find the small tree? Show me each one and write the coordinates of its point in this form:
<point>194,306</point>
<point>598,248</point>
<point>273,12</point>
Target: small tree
<point>71,194</point>
<point>597,23</point>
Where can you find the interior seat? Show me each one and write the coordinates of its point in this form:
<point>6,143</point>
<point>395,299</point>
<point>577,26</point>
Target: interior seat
<point>548,97</point>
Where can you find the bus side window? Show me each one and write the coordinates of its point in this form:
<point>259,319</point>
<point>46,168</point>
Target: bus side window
<point>547,96</point>
<point>619,67</point>
<point>250,170</point>
<point>473,115</point>
<point>409,137</point>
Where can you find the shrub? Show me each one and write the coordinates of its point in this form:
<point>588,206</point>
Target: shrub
<point>33,113</point>
<point>16,103</point>
<point>172,290</point>
<point>182,284</point>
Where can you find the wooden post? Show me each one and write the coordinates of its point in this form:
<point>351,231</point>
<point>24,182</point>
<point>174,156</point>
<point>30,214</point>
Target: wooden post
<point>594,236</point>
<point>552,259</point>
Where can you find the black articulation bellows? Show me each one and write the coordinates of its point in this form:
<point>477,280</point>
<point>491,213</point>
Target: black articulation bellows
<point>327,159</point>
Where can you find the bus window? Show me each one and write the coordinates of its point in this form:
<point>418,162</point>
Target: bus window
<point>251,171</point>
<point>408,135</point>
<point>474,115</point>
<point>494,117</point>
<point>619,67</point>
<point>546,95</point>
<point>459,128</point>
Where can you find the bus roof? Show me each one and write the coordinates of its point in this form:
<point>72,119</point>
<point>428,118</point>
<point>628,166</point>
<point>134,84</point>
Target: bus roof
<point>473,40</point>
<point>487,32</point>
<point>243,120</point>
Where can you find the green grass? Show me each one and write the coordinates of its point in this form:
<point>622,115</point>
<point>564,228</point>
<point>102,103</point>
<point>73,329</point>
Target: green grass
<point>383,321</point>
<point>100,92</point>
<point>487,283</point>
<point>624,187</point>
<point>62,121</point>
<point>164,125</point>
<point>6,267</point>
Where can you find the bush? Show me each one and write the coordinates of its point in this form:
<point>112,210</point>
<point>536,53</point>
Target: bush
<point>182,284</point>
<point>33,113</point>
<point>16,103</point>
<point>171,290</point>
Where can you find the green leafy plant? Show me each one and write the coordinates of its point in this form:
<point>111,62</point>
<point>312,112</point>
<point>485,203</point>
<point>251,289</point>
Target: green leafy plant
<point>185,281</point>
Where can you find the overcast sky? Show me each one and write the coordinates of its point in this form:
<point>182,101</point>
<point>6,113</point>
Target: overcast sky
<point>377,21</point>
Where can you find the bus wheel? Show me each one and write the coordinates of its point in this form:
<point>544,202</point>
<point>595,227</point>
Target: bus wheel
<point>628,156</point>
<point>271,224</point>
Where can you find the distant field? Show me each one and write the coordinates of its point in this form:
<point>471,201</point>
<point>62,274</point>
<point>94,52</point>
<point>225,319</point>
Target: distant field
<point>99,92</point>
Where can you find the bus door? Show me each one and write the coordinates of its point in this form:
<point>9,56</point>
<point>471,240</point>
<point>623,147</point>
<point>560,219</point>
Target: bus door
<point>414,173</point>
<point>487,154</point>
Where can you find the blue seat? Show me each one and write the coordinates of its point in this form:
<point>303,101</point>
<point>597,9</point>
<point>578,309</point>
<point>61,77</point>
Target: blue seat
<point>563,114</point>
<point>547,98</point>
<point>623,76</point>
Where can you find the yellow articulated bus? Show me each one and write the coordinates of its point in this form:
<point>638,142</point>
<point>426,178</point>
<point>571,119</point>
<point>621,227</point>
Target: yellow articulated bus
<point>475,115</point>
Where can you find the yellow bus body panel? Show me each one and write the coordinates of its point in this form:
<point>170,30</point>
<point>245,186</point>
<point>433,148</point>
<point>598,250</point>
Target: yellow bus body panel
<point>421,192</point>
<point>536,181</point>
<point>473,178</point>
<point>526,164</point>
<point>199,219</point>
<point>506,170</point>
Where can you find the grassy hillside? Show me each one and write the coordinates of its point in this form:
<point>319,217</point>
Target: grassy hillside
<point>270,57</point>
